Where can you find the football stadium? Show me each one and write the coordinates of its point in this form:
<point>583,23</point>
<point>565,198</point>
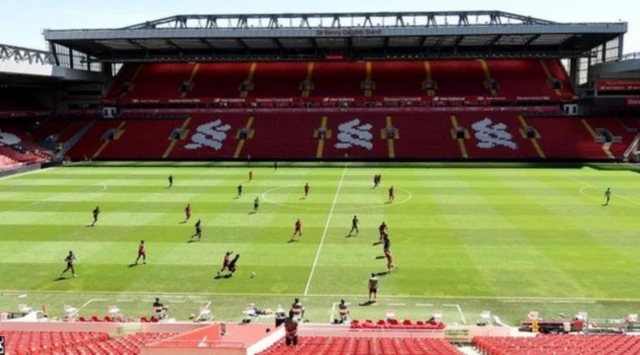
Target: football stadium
<point>461,182</point>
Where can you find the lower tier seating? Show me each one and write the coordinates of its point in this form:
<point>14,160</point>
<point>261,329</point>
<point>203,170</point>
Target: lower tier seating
<point>560,345</point>
<point>77,343</point>
<point>357,134</point>
<point>364,346</point>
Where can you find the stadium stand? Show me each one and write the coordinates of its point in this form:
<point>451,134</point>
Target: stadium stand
<point>560,344</point>
<point>356,133</point>
<point>77,343</point>
<point>364,346</point>
<point>524,79</point>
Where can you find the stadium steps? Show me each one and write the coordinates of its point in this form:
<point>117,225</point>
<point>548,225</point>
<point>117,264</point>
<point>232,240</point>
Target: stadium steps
<point>458,77</point>
<point>190,82</point>
<point>249,79</point>
<point>321,142</point>
<point>633,148</point>
<point>172,141</point>
<point>461,141</point>
<point>241,142</point>
<point>549,76</point>
<point>139,141</point>
<point>615,127</point>
<point>534,140</point>
<point>487,76</point>
<point>592,132</point>
<point>68,144</point>
<point>309,78</point>
<point>531,80</point>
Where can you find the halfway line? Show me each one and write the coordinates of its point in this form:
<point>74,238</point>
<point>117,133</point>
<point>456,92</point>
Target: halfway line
<point>326,227</point>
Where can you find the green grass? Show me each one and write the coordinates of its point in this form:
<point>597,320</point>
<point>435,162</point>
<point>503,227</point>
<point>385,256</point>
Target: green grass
<point>509,238</point>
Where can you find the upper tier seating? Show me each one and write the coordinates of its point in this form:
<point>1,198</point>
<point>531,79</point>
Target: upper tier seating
<point>560,345</point>
<point>357,134</point>
<point>364,346</point>
<point>515,78</point>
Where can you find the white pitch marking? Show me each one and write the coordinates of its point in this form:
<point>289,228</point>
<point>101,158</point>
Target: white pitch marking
<point>22,296</point>
<point>588,185</point>
<point>424,305</point>
<point>124,301</point>
<point>91,301</point>
<point>326,228</point>
<point>548,301</point>
<point>333,309</point>
<point>464,320</point>
<point>26,173</point>
<point>208,305</point>
<point>396,304</point>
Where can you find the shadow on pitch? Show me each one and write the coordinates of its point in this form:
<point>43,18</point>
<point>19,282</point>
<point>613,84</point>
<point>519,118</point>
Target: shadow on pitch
<point>227,276</point>
<point>132,265</point>
<point>89,226</point>
<point>292,241</point>
<point>367,303</point>
<point>58,279</point>
<point>382,273</point>
<point>379,257</point>
<point>251,213</point>
<point>183,222</point>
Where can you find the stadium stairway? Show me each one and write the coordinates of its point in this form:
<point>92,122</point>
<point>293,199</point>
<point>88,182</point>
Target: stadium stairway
<point>139,140</point>
<point>555,131</point>
<point>532,77</point>
<point>160,81</point>
<point>617,130</point>
<point>90,145</point>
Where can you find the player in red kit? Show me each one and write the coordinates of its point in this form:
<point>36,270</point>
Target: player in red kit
<point>250,175</point>
<point>298,230</point>
<point>187,211</point>
<point>390,264</point>
<point>306,190</point>
<point>382,230</point>
<point>391,194</point>
<point>142,253</point>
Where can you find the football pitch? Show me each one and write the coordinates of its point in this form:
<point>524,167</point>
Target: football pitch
<point>466,238</point>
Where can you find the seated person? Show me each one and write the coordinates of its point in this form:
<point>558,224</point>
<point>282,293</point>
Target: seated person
<point>159,309</point>
<point>297,309</point>
<point>343,311</point>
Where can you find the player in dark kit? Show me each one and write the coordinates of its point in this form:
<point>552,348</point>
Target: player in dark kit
<point>142,253</point>
<point>232,264</point>
<point>256,204</point>
<point>96,213</point>
<point>391,194</point>
<point>170,181</point>
<point>382,230</point>
<point>225,262</point>
<point>354,225</point>
<point>306,190</point>
<point>70,259</point>
<point>187,212</point>
<point>198,231</point>
<point>298,229</point>
<point>250,175</point>
<point>240,190</point>
<point>386,243</point>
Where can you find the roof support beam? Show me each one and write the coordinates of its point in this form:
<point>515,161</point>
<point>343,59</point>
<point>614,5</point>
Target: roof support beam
<point>169,42</point>
<point>278,43</point>
<point>494,40</point>
<point>530,40</point>
<point>242,43</point>
<point>137,45</point>
<point>203,41</point>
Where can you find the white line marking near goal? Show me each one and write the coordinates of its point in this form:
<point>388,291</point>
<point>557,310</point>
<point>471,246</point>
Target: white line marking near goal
<point>207,305</point>
<point>177,301</point>
<point>464,320</point>
<point>91,301</point>
<point>548,301</point>
<point>26,173</point>
<point>424,305</point>
<point>326,228</point>
<point>396,304</point>
<point>104,187</point>
<point>333,309</point>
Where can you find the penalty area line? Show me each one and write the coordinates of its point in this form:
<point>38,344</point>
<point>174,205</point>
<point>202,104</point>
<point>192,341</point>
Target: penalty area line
<point>326,228</point>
